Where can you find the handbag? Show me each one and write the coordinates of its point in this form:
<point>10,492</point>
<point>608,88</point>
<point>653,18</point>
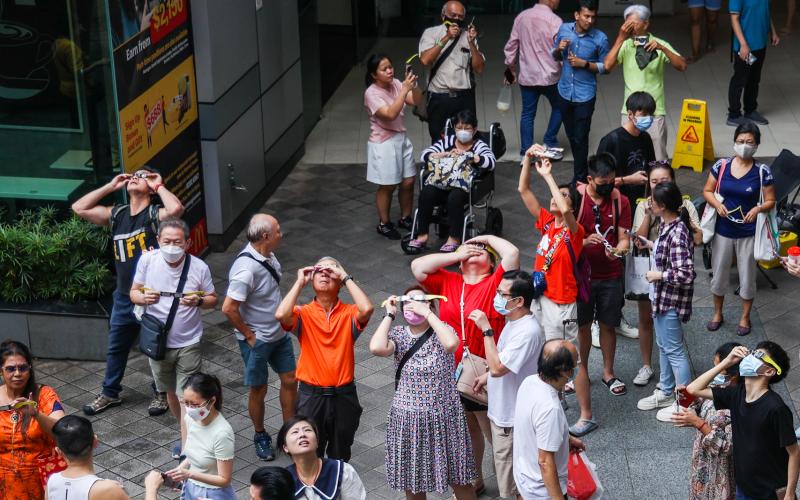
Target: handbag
<point>636,265</point>
<point>450,173</point>
<point>767,242</point>
<point>421,110</point>
<point>708,221</point>
<point>583,274</point>
<point>582,480</point>
<point>411,351</point>
<point>153,332</point>
<point>470,367</point>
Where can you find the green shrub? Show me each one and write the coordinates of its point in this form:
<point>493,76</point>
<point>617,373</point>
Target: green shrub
<point>44,258</point>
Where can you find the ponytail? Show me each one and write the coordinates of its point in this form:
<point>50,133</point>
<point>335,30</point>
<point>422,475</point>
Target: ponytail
<point>207,386</point>
<point>683,215</point>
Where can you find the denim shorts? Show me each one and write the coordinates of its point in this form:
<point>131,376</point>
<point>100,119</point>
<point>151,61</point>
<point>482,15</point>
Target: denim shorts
<point>708,4</point>
<point>278,354</point>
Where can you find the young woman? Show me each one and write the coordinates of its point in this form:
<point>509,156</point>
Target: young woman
<point>559,228</point>
<point>645,224</point>
<point>427,426</point>
<point>741,181</point>
<point>672,285</point>
<point>315,478</point>
<point>207,470</point>
<point>469,153</point>
<point>711,474</point>
<point>390,155</point>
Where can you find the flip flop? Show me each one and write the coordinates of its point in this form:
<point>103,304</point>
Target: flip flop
<point>583,427</point>
<point>713,326</point>
<point>616,386</point>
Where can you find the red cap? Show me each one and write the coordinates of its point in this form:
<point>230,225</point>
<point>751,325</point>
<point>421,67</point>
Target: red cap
<point>794,251</point>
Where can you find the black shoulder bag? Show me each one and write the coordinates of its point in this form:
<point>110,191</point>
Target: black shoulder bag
<point>265,264</point>
<point>153,332</point>
<point>413,350</point>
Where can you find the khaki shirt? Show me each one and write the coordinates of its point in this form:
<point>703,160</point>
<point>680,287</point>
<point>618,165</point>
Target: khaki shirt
<point>453,74</point>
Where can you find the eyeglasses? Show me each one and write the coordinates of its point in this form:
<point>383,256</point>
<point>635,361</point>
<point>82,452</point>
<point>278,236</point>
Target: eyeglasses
<point>749,143</point>
<point>190,405</point>
<point>761,355</point>
<point>504,294</point>
<point>10,369</point>
<point>737,220</point>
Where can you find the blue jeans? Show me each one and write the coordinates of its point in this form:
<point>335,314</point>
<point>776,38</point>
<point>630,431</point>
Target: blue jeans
<point>577,118</point>
<point>741,495</point>
<point>530,101</point>
<point>673,358</point>
<point>123,330</point>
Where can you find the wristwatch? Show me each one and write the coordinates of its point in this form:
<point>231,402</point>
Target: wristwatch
<point>587,65</point>
<point>346,279</point>
<point>389,315</point>
<point>488,332</point>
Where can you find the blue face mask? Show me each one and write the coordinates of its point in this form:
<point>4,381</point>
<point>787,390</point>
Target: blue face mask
<point>500,304</point>
<point>720,379</point>
<point>643,122</point>
<point>748,367</point>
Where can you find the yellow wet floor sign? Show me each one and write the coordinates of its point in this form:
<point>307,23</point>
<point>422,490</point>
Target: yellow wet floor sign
<point>693,142</point>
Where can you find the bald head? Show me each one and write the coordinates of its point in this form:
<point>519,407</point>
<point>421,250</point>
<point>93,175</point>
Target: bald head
<point>557,360</point>
<point>454,10</point>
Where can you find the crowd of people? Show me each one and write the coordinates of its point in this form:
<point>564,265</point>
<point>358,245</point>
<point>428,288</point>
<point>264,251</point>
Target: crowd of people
<point>487,351</point>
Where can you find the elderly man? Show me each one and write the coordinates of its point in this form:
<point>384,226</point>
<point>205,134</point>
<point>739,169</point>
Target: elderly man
<point>530,43</point>
<point>253,296</point>
<point>643,58</point>
<point>327,329</point>
<point>133,231</point>
<point>161,274</point>
<point>451,52</point>
<point>540,424</point>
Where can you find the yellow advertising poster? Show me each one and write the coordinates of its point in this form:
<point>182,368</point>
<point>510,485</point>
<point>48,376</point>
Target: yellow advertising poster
<point>159,115</point>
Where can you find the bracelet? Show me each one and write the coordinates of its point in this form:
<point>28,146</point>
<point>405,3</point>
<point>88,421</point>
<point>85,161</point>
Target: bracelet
<point>440,44</point>
<point>389,315</point>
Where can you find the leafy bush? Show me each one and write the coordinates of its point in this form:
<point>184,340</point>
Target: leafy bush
<point>44,258</point>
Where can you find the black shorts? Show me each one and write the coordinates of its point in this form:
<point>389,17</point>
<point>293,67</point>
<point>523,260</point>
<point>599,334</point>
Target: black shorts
<point>470,405</point>
<point>605,303</point>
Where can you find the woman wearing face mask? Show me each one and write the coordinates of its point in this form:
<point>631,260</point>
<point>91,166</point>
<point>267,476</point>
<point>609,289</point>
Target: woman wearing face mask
<point>317,478</point>
<point>207,470</point>
<point>672,286</point>
<point>471,154</point>
<point>390,155</point>
<point>645,224</point>
<point>427,426</point>
<point>559,228</point>
<point>740,181</point>
<point>711,472</point>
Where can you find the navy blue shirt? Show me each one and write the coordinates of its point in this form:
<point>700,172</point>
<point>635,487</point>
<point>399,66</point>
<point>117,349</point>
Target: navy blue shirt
<point>740,196</point>
<point>580,84</point>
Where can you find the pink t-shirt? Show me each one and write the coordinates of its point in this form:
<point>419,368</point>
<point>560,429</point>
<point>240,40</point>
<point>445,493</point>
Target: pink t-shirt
<point>375,98</point>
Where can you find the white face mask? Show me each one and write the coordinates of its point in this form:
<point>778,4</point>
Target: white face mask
<point>744,151</point>
<point>464,135</point>
<point>198,414</point>
<point>171,253</point>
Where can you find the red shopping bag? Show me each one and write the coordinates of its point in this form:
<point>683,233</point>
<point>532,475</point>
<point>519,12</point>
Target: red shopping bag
<point>580,482</point>
<point>49,465</point>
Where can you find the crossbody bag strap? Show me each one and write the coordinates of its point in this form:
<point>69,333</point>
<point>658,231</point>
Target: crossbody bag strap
<point>413,350</point>
<point>548,258</point>
<point>572,257</point>
<point>444,55</point>
<point>175,300</point>
<point>266,265</point>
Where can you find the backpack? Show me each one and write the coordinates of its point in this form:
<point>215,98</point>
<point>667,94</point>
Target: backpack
<point>152,216</point>
<point>615,196</point>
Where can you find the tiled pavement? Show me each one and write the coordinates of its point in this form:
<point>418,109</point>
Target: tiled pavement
<point>329,210</point>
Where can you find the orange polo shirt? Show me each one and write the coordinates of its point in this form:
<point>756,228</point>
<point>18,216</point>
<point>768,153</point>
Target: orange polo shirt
<point>327,357</point>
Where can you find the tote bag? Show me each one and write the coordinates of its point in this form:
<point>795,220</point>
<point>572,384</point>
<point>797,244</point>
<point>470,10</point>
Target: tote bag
<point>708,221</point>
<point>636,265</point>
<point>767,240</point>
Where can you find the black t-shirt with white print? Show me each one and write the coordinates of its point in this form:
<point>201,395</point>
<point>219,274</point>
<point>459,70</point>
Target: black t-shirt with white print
<point>132,235</point>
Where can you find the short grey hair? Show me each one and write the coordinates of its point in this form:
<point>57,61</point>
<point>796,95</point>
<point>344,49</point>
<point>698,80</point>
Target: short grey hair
<point>641,11</point>
<point>176,223</point>
<point>258,225</point>
<point>339,264</point>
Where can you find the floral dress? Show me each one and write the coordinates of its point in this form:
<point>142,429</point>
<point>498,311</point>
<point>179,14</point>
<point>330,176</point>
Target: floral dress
<point>21,454</point>
<point>427,442</point>
<point>711,474</point>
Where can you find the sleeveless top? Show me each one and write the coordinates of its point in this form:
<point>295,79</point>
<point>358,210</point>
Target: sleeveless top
<point>68,488</point>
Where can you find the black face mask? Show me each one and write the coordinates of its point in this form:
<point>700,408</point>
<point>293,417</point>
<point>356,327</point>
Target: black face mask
<point>604,190</point>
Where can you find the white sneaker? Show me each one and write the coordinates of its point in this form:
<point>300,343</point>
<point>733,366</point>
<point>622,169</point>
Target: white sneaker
<point>657,400</point>
<point>596,334</point>
<point>665,414</point>
<point>627,330</point>
<point>643,377</point>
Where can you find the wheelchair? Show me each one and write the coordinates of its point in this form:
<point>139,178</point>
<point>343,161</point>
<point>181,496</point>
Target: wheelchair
<point>480,217</point>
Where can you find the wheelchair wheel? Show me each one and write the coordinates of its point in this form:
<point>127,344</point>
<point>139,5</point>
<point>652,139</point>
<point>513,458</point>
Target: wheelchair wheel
<point>494,221</point>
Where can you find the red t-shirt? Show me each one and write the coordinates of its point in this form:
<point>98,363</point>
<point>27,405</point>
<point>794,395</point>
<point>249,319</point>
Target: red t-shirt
<point>477,296</point>
<point>561,285</point>
<point>604,268</point>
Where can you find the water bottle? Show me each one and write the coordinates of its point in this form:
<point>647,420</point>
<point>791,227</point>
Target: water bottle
<point>504,99</point>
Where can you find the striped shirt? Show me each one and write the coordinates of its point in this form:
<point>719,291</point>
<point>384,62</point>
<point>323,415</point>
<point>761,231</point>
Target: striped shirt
<point>447,143</point>
<point>674,258</point>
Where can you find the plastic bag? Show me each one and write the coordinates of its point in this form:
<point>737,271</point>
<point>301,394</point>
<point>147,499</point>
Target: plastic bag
<point>582,480</point>
<point>504,99</point>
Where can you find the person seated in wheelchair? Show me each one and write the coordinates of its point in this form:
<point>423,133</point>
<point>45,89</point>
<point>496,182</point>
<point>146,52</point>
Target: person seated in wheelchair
<point>451,164</point>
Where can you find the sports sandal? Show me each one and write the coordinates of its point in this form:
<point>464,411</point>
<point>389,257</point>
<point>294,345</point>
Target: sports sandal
<point>616,386</point>
<point>583,427</point>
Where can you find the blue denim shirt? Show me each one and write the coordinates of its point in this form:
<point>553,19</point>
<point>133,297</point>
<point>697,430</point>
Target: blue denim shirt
<point>579,84</point>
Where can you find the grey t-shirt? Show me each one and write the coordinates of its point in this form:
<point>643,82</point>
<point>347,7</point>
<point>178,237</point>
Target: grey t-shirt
<point>252,285</point>
<point>453,74</point>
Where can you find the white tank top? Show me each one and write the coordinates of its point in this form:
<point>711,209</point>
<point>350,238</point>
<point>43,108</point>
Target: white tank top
<point>68,488</point>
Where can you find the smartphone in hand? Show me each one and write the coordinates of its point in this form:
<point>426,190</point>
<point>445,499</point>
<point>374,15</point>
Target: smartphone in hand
<point>171,483</point>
